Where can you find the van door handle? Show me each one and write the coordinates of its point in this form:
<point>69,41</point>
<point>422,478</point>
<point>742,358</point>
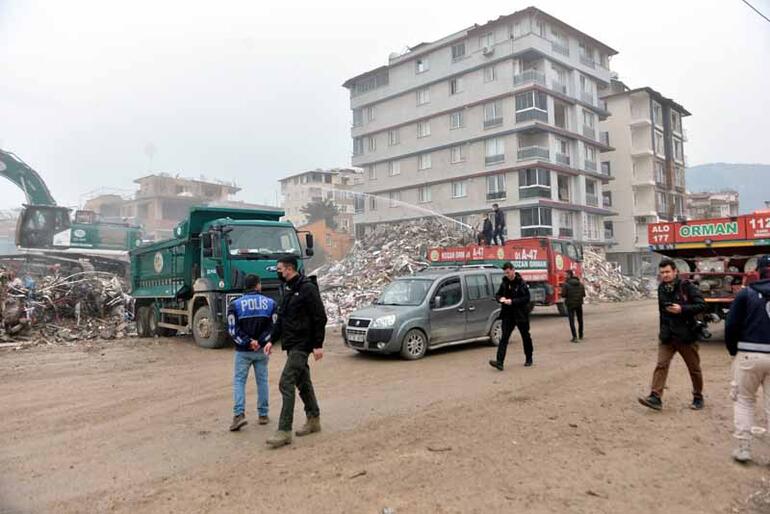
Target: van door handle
<point>471,309</point>
<point>461,309</point>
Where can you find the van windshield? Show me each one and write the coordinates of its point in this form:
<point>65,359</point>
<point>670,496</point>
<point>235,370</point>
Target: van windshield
<point>263,242</point>
<point>405,292</point>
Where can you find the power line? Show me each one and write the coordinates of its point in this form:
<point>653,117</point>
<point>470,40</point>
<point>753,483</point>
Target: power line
<point>756,10</point>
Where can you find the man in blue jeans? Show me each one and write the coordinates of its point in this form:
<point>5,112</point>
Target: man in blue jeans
<point>250,323</point>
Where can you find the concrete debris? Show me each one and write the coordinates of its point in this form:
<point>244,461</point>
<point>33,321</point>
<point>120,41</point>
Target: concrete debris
<point>604,281</point>
<point>55,308</point>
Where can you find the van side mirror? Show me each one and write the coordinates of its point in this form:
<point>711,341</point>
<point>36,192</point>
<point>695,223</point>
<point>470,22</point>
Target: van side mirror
<point>309,243</point>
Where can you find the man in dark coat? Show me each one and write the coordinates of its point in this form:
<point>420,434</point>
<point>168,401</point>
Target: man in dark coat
<point>487,231</point>
<point>499,235</point>
<point>573,293</point>
<point>513,295</point>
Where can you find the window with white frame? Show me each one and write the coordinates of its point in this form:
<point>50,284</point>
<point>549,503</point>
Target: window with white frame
<point>455,85</point>
<point>590,152</point>
<point>421,65</point>
<point>358,146</point>
<point>370,113</point>
<point>678,150</point>
<point>532,105</point>
<point>591,227</point>
<point>662,201</point>
<point>458,50</point>
<point>586,86</point>
<point>423,96</point>
<point>487,40</point>
<point>456,120</point>
<point>494,150</point>
<point>679,177</point>
<point>566,224</point>
<point>493,113</point>
<point>459,188</point>
<point>496,187</point>
<point>394,168</point>
<point>607,198</point>
<point>659,148</point>
<point>423,128</point>
<point>540,28</point>
<point>372,203</point>
<point>535,183</point>
<point>372,143</point>
<point>372,172</point>
<point>592,196</point>
<point>676,122</point>
<point>660,172</point>
<point>490,73</point>
<point>358,117</point>
<point>423,161</point>
<point>424,194</point>
<point>394,197</point>
<point>393,137</point>
<point>535,221</point>
<point>457,154</point>
<point>588,118</point>
<point>657,113</point>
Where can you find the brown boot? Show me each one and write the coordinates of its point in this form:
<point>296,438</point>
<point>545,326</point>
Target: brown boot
<point>264,420</point>
<point>239,421</point>
<point>280,438</point>
<point>312,425</point>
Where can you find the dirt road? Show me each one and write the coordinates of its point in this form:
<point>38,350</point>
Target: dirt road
<point>141,426</point>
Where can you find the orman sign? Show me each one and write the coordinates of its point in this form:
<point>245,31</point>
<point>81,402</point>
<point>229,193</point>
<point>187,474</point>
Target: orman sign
<point>709,230</point>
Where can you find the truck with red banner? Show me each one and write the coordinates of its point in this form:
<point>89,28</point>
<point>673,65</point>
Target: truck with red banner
<point>719,255</point>
<point>542,261</point>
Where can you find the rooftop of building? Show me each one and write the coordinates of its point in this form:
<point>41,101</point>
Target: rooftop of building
<point>619,88</point>
<point>330,171</point>
<point>167,176</point>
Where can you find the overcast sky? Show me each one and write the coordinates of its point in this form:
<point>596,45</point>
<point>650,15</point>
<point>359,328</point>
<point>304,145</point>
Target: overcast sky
<point>238,91</point>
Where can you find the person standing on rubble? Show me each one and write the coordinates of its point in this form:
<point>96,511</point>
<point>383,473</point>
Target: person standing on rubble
<point>499,234</point>
<point>301,328</point>
<point>573,293</point>
<point>747,336</point>
<point>679,301</point>
<point>513,295</point>
<point>250,323</point>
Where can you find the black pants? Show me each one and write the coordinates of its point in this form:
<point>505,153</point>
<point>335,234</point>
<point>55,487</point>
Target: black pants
<point>526,340</point>
<point>497,237</point>
<point>573,311</point>
<point>296,373</point>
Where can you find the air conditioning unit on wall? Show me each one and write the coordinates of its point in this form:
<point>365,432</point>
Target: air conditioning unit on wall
<point>487,50</point>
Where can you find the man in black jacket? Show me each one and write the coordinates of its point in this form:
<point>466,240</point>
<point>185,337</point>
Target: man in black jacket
<point>747,335</point>
<point>301,328</point>
<point>513,295</point>
<point>573,293</point>
<point>487,231</point>
<point>679,302</point>
<point>498,237</point>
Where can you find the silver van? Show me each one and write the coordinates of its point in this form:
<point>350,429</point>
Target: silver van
<point>438,307</point>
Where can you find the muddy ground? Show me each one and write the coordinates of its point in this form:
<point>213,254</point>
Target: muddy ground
<point>141,426</point>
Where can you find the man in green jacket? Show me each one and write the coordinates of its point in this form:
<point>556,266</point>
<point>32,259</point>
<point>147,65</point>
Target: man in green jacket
<point>573,293</point>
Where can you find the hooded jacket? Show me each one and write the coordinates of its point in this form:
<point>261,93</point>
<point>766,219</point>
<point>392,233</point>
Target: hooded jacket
<point>517,291</point>
<point>679,326</point>
<point>301,321</point>
<point>747,328</point>
<point>573,292</point>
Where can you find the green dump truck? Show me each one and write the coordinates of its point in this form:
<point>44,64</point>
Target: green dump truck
<point>186,283</point>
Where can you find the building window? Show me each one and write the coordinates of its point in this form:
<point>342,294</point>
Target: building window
<point>358,146</point>
<point>459,189</point>
<point>592,197</point>
<point>358,117</point>
<point>494,151</point>
<point>457,154</point>
<point>422,65</point>
<point>423,96</point>
<point>591,228</point>
<point>359,202</point>
<point>394,197</point>
<point>566,224</point>
<point>532,105</point>
<point>394,168</point>
<point>487,40</point>
<point>456,120</point>
<point>607,198</point>
<point>496,187</point>
<point>609,231</point>
<point>423,128</point>
<point>424,194</point>
<point>455,86</point>
<point>490,73</point>
<point>606,170</point>
<point>534,183</point>
<point>370,113</point>
<point>676,122</point>
<point>493,114</point>
<point>678,150</point>
<point>657,113</point>
<point>372,172</point>
<point>590,163</point>
<point>563,188</point>
<point>458,51</point>
<point>536,221</point>
<point>393,137</point>
<point>372,143</point>
<point>660,173</point>
<point>372,203</point>
<point>679,177</point>
<point>659,149</point>
<point>662,200</point>
<point>423,161</point>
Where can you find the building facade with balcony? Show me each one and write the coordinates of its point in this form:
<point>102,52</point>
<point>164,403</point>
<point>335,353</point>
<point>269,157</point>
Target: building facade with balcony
<point>506,112</point>
<point>334,185</point>
<point>648,165</point>
<point>720,204</point>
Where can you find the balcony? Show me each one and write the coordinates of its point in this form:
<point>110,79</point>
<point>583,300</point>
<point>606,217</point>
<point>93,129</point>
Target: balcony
<point>589,132</point>
<point>535,192</point>
<point>533,152</point>
<point>529,76</point>
<point>559,87</point>
<point>494,122</point>
<point>562,158</point>
<point>587,97</point>
<point>560,48</point>
<point>566,232</point>
<point>496,195</point>
<point>589,165</point>
<point>494,159</point>
<point>587,61</point>
<point>531,115</point>
<point>592,200</point>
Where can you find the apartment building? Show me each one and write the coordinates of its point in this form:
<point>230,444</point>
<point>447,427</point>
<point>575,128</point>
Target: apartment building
<point>506,112</point>
<point>334,184</point>
<point>648,164</point>
<point>721,204</point>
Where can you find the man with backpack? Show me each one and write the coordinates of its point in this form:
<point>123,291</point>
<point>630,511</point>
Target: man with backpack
<point>747,336</point>
<point>679,302</point>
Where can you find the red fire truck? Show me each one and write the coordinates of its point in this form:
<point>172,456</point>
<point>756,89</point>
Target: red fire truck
<point>719,255</point>
<point>541,261</point>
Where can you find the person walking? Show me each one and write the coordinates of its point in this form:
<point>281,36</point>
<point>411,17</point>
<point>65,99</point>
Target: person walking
<point>573,293</point>
<point>747,336</point>
<point>498,237</point>
<point>679,302</point>
<point>250,323</point>
<point>487,232</point>
<point>301,328</point>
<point>513,295</point>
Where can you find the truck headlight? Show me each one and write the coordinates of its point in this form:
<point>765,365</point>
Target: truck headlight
<point>384,322</point>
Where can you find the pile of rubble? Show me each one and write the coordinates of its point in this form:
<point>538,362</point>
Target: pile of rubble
<point>57,308</point>
<point>387,252</point>
<point>604,281</point>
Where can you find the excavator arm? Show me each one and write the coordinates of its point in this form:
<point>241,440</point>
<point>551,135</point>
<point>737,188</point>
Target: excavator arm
<point>27,179</point>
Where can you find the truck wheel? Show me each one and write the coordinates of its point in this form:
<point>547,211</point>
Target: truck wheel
<point>562,307</point>
<point>205,330</point>
<point>152,325</point>
<point>142,321</point>
<point>415,345</point>
<point>496,332</point>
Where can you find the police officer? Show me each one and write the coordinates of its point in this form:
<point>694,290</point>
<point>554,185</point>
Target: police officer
<point>301,328</point>
<point>513,295</point>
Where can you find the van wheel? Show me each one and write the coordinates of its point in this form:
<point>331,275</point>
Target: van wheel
<point>496,332</point>
<point>415,345</point>
<point>562,308</point>
<point>142,321</point>
<point>205,330</point>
